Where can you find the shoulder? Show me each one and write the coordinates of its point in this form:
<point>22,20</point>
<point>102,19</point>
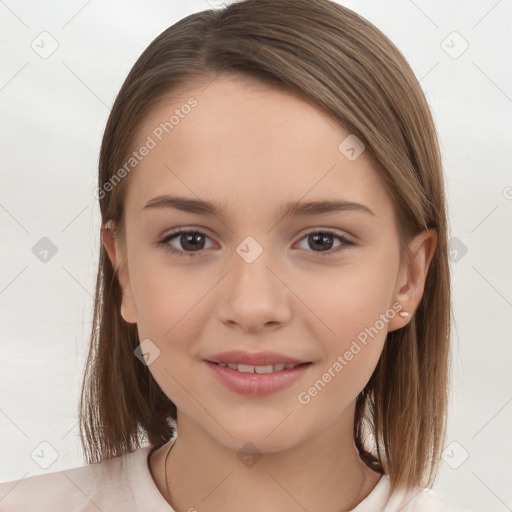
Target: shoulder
<point>423,500</point>
<point>429,501</point>
<point>83,488</point>
<point>411,500</point>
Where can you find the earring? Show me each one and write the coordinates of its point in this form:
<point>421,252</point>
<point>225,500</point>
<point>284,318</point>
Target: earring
<point>404,314</point>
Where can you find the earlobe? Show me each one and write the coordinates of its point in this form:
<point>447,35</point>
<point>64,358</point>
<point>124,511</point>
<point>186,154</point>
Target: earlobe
<point>128,310</point>
<point>411,282</point>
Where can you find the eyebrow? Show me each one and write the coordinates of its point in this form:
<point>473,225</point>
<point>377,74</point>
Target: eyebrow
<point>292,208</point>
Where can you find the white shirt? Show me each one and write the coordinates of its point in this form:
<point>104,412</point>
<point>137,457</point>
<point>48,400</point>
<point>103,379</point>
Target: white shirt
<point>125,484</point>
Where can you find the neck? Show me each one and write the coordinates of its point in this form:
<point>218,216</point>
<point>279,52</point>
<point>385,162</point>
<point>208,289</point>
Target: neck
<point>323,473</point>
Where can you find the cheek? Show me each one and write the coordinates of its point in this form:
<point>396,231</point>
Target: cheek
<point>170,299</point>
<point>354,308</point>
<point>172,312</point>
<point>349,299</point>
<point>350,355</point>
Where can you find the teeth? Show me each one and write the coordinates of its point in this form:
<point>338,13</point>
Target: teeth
<point>248,368</point>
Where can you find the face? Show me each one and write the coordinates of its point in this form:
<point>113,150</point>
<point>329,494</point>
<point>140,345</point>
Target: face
<point>317,286</point>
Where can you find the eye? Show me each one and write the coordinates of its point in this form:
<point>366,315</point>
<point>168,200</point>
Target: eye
<point>191,241</point>
<point>324,240</point>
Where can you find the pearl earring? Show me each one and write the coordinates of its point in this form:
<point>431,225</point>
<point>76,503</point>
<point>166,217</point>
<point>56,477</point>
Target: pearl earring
<point>404,314</point>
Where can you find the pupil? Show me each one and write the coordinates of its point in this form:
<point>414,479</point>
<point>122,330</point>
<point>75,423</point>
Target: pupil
<point>188,238</point>
<point>322,238</point>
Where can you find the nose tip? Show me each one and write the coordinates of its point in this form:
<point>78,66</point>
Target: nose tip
<point>253,297</point>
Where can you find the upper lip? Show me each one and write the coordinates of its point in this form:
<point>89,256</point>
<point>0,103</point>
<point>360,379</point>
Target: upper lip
<point>253,358</point>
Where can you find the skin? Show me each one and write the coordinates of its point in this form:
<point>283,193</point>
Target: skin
<point>251,148</point>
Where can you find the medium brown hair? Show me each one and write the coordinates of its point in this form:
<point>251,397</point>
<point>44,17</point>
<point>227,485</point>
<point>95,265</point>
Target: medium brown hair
<point>338,61</point>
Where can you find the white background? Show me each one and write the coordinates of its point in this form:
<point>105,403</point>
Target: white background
<point>53,113</point>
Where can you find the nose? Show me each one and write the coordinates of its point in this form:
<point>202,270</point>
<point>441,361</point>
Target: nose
<point>254,296</point>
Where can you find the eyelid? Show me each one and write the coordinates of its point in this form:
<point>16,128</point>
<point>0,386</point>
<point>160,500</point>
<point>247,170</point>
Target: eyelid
<point>331,231</point>
<point>346,240</point>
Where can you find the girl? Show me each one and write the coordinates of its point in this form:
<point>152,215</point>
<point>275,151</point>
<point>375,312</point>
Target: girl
<point>271,326</point>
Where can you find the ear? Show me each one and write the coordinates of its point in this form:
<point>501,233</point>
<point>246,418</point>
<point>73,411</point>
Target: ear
<point>411,279</point>
<point>115,254</point>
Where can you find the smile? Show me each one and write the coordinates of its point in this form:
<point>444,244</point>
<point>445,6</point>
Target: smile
<point>248,368</point>
<point>257,380</point>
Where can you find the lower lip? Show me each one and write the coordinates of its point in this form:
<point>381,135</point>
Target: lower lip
<point>257,384</point>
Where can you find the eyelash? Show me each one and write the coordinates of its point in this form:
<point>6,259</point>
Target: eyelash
<point>164,242</point>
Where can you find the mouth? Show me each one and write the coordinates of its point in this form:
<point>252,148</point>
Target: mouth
<point>257,380</point>
<point>260,369</point>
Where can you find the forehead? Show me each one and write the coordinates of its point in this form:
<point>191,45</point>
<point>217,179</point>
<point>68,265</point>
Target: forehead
<point>247,141</point>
